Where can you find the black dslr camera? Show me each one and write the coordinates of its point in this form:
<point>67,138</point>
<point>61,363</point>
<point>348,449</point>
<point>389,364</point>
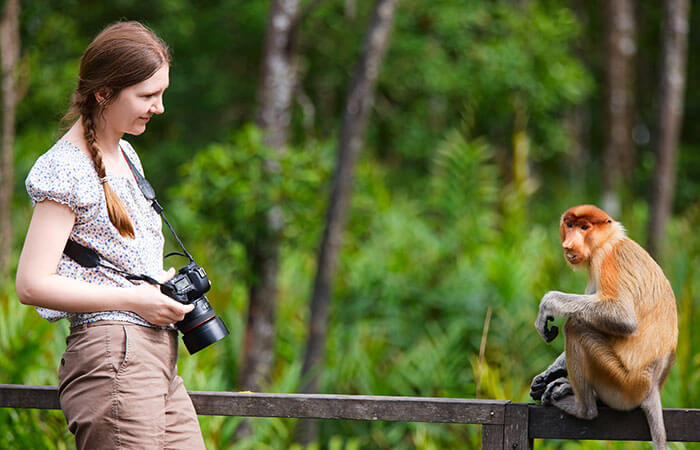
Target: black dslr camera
<point>200,327</point>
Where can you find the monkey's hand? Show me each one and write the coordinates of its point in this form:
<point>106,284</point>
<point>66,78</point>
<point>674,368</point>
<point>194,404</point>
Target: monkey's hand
<point>545,316</point>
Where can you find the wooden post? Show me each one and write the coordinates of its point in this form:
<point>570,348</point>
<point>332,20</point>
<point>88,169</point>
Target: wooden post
<point>516,428</point>
<point>492,437</point>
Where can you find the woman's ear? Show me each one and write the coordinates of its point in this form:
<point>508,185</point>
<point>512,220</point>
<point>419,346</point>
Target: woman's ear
<point>103,95</point>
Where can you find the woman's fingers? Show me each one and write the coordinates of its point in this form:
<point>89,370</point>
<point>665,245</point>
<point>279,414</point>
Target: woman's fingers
<point>168,274</point>
<point>171,311</point>
<point>158,308</point>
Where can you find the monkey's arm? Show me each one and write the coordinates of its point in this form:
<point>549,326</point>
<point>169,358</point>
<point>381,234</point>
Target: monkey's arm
<point>610,315</point>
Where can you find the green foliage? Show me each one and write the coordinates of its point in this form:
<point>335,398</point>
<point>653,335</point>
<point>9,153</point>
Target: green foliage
<point>234,190</point>
<point>463,190</point>
<point>484,57</point>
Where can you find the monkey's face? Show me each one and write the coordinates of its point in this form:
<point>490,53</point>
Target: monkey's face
<point>574,242</point>
<point>580,229</point>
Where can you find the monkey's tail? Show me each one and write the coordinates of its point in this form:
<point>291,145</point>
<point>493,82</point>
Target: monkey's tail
<point>655,418</point>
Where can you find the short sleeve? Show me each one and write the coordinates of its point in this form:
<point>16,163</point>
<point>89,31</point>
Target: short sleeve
<point>62,177</point>
<point>50,314</point>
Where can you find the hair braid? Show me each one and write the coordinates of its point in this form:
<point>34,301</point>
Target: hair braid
<point>116,211</point>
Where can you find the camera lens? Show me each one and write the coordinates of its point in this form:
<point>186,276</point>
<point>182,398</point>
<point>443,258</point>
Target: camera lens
<point>205,335</point>
<point>201,327</point>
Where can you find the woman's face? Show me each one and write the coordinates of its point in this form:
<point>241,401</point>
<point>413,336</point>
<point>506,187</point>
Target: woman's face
<point>132,109</point>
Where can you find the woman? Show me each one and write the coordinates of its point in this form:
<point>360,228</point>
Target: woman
<point>118,383</point>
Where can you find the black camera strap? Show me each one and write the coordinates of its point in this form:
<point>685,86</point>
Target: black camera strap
<point>89,258</point>
<point>150,194</point>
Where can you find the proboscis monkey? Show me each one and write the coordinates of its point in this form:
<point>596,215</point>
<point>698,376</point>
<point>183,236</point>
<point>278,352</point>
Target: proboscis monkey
<point>620,335</point>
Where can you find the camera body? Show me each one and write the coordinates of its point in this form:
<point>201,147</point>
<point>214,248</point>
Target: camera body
<point>200,327</point>
<point>190,283</point>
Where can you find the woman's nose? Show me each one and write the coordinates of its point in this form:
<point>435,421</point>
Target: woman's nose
<point>158,107</point>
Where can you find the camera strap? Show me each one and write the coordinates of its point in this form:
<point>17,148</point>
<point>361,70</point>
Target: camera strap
<point>150,194</point>
<point>89,258</point>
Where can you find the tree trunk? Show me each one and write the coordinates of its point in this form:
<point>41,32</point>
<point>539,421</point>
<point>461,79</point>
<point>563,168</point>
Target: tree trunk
<point>9,53</point>
<point>355,117</point>
<point>618,159</point>
<point>275,97</point>
<point>674,57</point>
<point>577,127</point>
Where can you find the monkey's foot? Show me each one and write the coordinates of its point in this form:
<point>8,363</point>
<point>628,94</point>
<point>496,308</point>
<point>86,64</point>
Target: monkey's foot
<point>557,390</point>
<point>569,405</point>
<point>560,394</point>
<point>541,381</point>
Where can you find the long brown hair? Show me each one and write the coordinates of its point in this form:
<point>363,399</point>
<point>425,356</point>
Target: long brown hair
<point>123,54</point>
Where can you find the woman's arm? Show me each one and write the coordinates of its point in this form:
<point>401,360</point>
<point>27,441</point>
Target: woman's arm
<point>38,283</point>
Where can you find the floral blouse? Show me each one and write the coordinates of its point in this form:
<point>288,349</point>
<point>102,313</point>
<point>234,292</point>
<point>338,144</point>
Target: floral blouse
<point>65,174</point>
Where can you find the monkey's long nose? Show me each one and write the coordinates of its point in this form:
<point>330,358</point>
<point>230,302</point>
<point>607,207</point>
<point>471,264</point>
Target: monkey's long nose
<point>568,244</point>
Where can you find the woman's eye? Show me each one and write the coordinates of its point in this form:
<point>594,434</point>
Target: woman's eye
<point>569,224</point>
<point>584,227</point>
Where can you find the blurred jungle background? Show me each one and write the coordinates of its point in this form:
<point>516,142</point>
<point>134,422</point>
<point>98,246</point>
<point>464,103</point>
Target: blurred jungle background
<point>377,215</point>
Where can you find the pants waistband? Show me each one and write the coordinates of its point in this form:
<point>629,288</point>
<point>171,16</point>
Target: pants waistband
<point>100,323</point>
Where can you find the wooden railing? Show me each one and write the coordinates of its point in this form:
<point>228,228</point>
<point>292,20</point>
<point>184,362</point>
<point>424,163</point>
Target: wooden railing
<point>505,425</point>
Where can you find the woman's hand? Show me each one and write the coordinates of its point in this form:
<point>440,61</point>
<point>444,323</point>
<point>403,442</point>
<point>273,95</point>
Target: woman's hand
<point>154,306</point>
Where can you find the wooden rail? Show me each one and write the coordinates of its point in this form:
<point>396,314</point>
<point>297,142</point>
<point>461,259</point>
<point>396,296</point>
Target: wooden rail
<point>506,425</point>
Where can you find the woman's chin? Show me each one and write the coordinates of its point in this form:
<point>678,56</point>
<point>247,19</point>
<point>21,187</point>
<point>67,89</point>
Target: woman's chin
<point>137,130</point>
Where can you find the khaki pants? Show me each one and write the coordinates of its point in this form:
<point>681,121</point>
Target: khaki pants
<point>119,389</point>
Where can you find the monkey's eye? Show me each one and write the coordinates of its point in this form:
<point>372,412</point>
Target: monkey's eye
<point>584,227</point>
